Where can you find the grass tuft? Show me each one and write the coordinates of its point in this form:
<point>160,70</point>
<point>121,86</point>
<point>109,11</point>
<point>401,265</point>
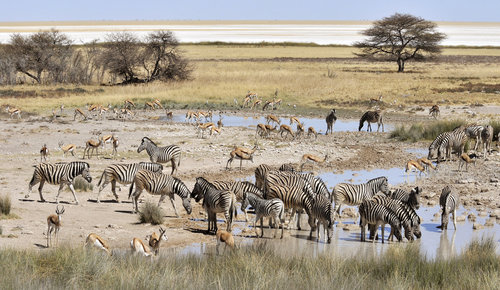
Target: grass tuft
<point>81,184</point>
<point>151,213</point>
<point>5,205</point>
<point>419,131</point>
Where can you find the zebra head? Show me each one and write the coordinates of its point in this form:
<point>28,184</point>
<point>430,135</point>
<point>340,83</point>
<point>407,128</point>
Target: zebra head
<point>198,192</point>
<point>186,203</point>
<point>86,175</point>
<point>144,144</point>
<point>417,232</point>
<point>414,199</point>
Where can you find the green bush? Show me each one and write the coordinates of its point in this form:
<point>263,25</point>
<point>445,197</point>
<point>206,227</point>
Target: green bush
<point>5,205</point>
<point>151,213</point>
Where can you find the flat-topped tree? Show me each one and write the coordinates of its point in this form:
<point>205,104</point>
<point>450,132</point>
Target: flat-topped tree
<point>400,37</point>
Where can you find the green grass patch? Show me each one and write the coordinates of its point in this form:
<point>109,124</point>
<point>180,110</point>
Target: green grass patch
<point>151,213</point>
<point>419,131</point>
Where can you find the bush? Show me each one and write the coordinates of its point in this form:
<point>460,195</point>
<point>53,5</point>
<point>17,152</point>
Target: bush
<point>80,184</point>
<point>418,131</point>
<point>5,205</point>
<point>151,213</point>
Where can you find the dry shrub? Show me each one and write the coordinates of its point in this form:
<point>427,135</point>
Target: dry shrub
<point>151,213</point>
<point>5,205</point>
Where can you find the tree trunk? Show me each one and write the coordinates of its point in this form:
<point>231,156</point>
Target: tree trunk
<point>401,65</point>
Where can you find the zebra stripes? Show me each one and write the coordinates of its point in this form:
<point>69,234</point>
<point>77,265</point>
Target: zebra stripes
<point>378,215</point>
<point>411,198</point>
<point>123,174</point>
<point>287,167</point>
<point>272,208</point>
<point>260,175</point>
<point>474,132</point>
<point>59,174</point>
<point>157,154</point>
<point>355,194</point>
<point>322,212</point>
<point>215,201</point>
<point>433,148</point>
<point>239,188</point>
<point>449,203</point>
<point>159,184</point>
<point>455,140</point>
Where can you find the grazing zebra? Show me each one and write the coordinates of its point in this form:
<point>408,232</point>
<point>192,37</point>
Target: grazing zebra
<point>434,111</point>
<point>436,143</point>
<point>377,214</point>
<point>215,201</point>
<point>260,175</point>
<point>371,117</point>
<point>239,188</point>
<point>331,118</point>
<point>272,208</point>
<point>322,211</point>
<point>449,203</point>
<point>487,138</point>
<point>412,198</point>
<point>355,194</point>
<point>123,174</point>
<point>156,154</point>
<point>59,174</point>
<point>159,184</point>
<point>455,140</point>
<point>474,132</point>
<point>292,189</point>
<point>408,217</point>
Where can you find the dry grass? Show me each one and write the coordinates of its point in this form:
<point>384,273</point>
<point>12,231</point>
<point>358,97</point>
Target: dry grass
<point>304,83</point>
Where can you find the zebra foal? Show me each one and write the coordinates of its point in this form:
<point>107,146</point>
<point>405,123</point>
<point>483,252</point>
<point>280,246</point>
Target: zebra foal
<point>322,213</point>
<point>449,203</point>
<point>239,188</point>
<point>157,154</point>
<point>378,215</point>
<point>59,174</point>
<point>159,184</point>
<point>272,208</point>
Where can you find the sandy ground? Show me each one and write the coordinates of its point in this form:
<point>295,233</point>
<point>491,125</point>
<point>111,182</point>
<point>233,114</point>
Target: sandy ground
<point>115,222</point>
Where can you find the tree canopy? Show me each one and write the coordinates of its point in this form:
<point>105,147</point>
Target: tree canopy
<point>400,37</point>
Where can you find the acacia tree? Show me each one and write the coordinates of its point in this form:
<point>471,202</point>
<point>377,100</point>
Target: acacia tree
<point>400,37</point>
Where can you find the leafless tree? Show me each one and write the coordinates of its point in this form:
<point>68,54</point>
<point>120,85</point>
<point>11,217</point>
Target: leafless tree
<point>400,37</point>
<point>121,56</point>
<point>7,68</point>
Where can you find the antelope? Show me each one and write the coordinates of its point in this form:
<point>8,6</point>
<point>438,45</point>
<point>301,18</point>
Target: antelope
<point>413,164</point>
<point>93,107</point>
<point>286,129</point>
<point>465,158</point>
<point>189,116</point>
<point>272,118</point>
<point>261,130</point>
<point>155,240</point>
<point>128,104</point>
<point>53,225</point>
<point>170,115</point>
<point>126,113</point>
<point>276,103</point>
<point>426,163</point>
<point>138,247</point>
<point>115,145</point>
<point>434,111</point>
<point>201,128</point>
<point>224,237</point>
<point>67,148</point>
<point>92,145</point>
<point>294,120</point>
<point>13,111</point>
<point>310,158</point>
<point>270,129</point>
<point>312,131</point>
<point>44,152</point>
<point>300,129</point>
<point>55,115</point>
<point>246,102</point>
<point>149,106</point>
<point>256,103</point>
<point>157,102</point>
<point>98,242</point>
<point>106,139</point>
<point>251,95</point>
<point>268,104</point>
<point>78,111</point>
<point>219,123</point>
<point>241,154</point>
<point>379,100</point>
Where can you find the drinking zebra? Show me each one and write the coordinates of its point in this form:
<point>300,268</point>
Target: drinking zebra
<point>436,143</point>
<point>273,208</point>
<point>355,194</point>
<point>455,140</point>
<point>159,184</point>
<point>377,214</point>
<point>123,174</point>
<point>156,154</point>
<point>59,174</point>
<point>449,203</point>
<point>215,201</point>
<point>371,117</point>
<point>411,198</point>
<point>322,213</point>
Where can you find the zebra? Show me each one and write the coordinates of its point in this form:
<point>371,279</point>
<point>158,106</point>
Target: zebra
<point>449,203</point>
<point>409,218</point>
<point>331,118</point>
<point>377,214</point>
<point>292,189</point>
<point>123,174</point>
<point>59,174</point>
<point>322,211</point>
<point>215,201</point>
<point>487,138</point>
<point>434,111</point>
<point>474,132</point>
<point>159,184</point>
<point>156,154</point>
<point>260,175</point>
<point>239,188</point>
<point>455,140</point>
<point>273,208</point>
<point>355,194</point>
<point>287,167</point>
<point>412,198</point>
<point>371,117</point>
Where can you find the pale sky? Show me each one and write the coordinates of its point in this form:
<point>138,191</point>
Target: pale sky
<point>66,10</point>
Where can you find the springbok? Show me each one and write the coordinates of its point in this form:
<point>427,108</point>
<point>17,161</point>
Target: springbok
<point>465,158</point>
<point>310,158</point>
<point>225,237</point>
<point>241,154</point>
<point>312,131</point>
<point>98,242</point>
<point>414,165</point>
<point>53,225</point>
<point>138,247</point>
<point>155,240</point>
<point>13,111</point>
<point>128,104</point>
<point>286,129</point>
<point>92,145</point>
<point>67,148</point>
<point>44,152</point>
<point>79,112</point>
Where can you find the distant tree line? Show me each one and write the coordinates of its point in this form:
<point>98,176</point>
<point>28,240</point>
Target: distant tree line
<point>50,57</point>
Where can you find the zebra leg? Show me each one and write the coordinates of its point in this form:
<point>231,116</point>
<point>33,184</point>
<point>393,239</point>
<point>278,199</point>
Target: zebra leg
<point>173,204</point>
<point>103,185</point>
<point>454,218</point>
<point>261,226</point>
<point>174,166</point>
<point>383,234</point>
<point>135,199</point>
<point>113,189</point>
<point>362,226</point>
<point>72,191</point>
<point>298,221</point>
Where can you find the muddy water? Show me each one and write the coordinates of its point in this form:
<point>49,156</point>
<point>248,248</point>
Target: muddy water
<point>434,243</point>
<point>318,123</point>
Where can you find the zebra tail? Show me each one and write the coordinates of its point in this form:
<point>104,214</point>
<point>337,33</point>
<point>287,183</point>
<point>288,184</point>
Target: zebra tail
<point>232,208</point>
<point>131,189</point>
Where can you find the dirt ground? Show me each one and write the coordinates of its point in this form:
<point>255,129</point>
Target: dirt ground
<point>22,140</point>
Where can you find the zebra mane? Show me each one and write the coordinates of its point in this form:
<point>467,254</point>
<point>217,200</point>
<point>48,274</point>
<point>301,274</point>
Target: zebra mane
<point>85,164</point>
<point>377,179</point>
<point>203,181</point>
<point>147,138</point>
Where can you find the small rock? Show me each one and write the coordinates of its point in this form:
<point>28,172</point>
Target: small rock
<point>461,218</point>
<point>431,194</point>
<point>97,226</point>
<point>495,213</point>
<point>484,190</point>
<point>431,203</point>
<point>482,213</point>
<point>26,233</point>
<point>490,222</point>
<point>472,217</point>
<point>349,212</point>
<point>477,226</point>
<point>494,180</point>
<point>350,227</point>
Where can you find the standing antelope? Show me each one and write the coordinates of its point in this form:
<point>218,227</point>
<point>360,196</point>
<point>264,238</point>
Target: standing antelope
<point>465,158</point>
<point>67,148</point>
<point>115,145</point>
<point>309,158</point>
<point>128,104</point>
<point>44,152</point>
<point>92,145</point>
<point>426,163</point>
<point>169,115</point>
<point>300,129</point>
<point>286,129</point>
<point>294,120</point>
<point>155,240</point>
<point>79,112</point>
<point>261,130</point>
<point>414,165</point>
<point>157,102</point>
<point>13,111</point>
<point>53,225</point>
<point>201,128</point>
<point>149,106</point>
<point>241,154</point>
<point>256,104</point>
<point>98,242</point>
<point>376,101</point>
<point>225,237</point>
<point>312,131</point>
